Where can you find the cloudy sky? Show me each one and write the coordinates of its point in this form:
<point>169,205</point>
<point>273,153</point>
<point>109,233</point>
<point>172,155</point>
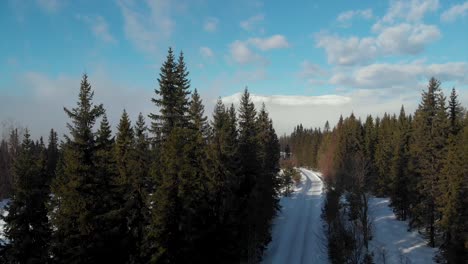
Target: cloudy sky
<point>308,61</point>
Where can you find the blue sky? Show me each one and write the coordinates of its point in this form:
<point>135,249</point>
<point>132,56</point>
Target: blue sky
<point>309,61</point>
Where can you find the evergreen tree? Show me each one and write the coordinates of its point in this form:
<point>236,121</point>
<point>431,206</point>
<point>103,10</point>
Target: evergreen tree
<point>455,113</point>
<point>165,236</point>
<point>78,237</point>
<point>172,97</point>
<point>452,201</point>
<point>52,154</point>
<point>370,141</point>
<point>383,153</point>
<point>173,202</point>
<point>133,208</point>
<point>251,170</point>
<point>142,181</point>
<point>399,191</point>
<point>223,185</point>
<point>427,152</point>
<point>27,227</point>
<point>268,184</point>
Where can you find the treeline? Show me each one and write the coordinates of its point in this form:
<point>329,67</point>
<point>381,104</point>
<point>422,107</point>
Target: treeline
<point>419,160</point>
<point>178,190</point>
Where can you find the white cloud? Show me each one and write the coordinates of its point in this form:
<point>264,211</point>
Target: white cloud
<point>241,51</point>
<point>287,111</point>
<point>407,38</point>
<point>401,76</point>
<point>346,16</point>
<point>206,52</point>
<point>211,24</point>
<point>401,39</point>
<point>50,6</point>
<point>347,51</point>
<point>242,54</point>
<point>146,27</point>
<point>252,23</point>
<point>273,42</point>
<point>99,27</point>
<point>454,12</point>
<point>410,10</point>
<point>290,100</point>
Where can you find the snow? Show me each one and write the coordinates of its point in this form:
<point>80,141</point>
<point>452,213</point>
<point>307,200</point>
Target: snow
<point>391,238</point>
<point>297,235</point>
<point>3,212</point>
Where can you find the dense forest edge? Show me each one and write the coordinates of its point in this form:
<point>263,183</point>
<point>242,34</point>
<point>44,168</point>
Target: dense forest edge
<point>180,189</point>
<point>183,189</point>
<point>419,160</point>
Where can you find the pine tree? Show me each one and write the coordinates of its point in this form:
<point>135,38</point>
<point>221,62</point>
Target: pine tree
<point>452,201</point>
<point>455,113</point>
<point>267,186</point>
<point>141,167</point>
<point>172,97</point>
<point>370,141</point>
<point>427,152</point>
<point>52,154</point>
<point>27,227</point>
<point>171,214</point>
<point>383,153</point>
<point>399,187</point>
<point>78,238</point>
<point>223,185</point>
<point>133,208</point>
<point>250,162</point>
<point>165,236</point>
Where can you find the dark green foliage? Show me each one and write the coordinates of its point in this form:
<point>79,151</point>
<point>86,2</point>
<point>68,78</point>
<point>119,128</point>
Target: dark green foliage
<point>453,199</point>
<point>27,227</point>
<point>194,193</point>
<point>400,178</point>
<point>78,191</point>
<point>427,153</point>
<point>418,160</point>
<point>164,233</point>
<point>52,154</point>
<point>224,185</point>
<point>172,97</point>
<point>455,112</point>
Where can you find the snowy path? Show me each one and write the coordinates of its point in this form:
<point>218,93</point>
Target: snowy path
<point>297,230</point>
<point>391,239</point>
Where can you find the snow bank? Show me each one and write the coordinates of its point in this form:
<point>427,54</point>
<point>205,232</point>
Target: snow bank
<point>392,241</point>
<point>3,212</point>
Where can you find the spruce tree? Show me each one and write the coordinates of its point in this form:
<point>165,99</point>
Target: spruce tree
<point>222,186</point>
<point>141,167</point>
<point>172,171</point>
<point>171,97</point>
<point>27,227</point>
<point>267,186</point>
<point>452,201</point>
<point>399,187</point>
<point>133,208</point>
<point>250,163</point>
<point>455,113</point>
<point>78,237</point>
<point>427,151</point>
<point>52,154</point>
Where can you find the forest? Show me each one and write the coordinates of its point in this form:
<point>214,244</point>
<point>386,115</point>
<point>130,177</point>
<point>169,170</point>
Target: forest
<point>176,189</point>
<point>419,160</point>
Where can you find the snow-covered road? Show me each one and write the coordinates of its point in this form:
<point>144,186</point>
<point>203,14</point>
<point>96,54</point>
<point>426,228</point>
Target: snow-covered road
<point>297,230</point>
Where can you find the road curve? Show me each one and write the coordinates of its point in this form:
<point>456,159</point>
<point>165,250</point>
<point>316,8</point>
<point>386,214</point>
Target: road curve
<point>297,235</point>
